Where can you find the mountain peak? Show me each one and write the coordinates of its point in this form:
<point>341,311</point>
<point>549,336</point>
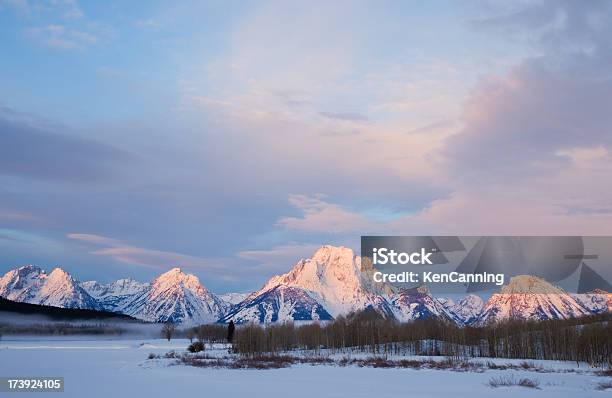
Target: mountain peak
<point>327,252</point>
<point>417,303</point>
<point>332,276</point>
<point>173,272</point>
<point>175,296</point>
<point>472,299</point>
<point>30,268</point>
<point>32,285</point>
<point>58,273</point>
<point>530,297</point>
<point>177,277</point>
<point>528,284</point>
<point>466,310</point>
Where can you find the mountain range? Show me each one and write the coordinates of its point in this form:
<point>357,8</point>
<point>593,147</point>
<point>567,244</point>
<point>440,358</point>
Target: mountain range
<point>329,284</point>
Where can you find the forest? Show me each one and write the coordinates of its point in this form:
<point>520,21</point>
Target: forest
<point>585,339</point>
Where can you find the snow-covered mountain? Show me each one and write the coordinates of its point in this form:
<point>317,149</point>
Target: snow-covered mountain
<point>530,298</point>
<point>233,298</point>
<point>417,303</point>
<point>597,301</point>
<point>173,296</point>
<point>116,296</point>
<point>333,277</point>
<point>465,311</point>
<point>176,297</point>
<point>280,303</point>
<point>30,284</point>
<point>328,284</point>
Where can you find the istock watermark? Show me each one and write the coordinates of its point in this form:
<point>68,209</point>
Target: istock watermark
<point>383,256</point>
<point>479,263</point>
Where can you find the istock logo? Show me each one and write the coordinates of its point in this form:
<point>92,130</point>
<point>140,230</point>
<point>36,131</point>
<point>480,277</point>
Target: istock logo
<point>384,256</point>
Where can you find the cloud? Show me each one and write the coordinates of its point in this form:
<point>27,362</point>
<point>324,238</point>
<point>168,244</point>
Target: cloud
<point>522,151</point>
<point>508,134</point>
<point>140,256</point>
<point>148,23</point>
<point>574,200</point>
<point>9,216</point>
<point>534,148</point>
<point>62,37</point>
<point>226,270</point>
<point>515,125</point>
<point>320,216</point>
<point>67,9</point>
<point>279,258</point>
<point>345,116</point>
<point>312,104</point>
<point>563,27</point>
<point>59,24</point>
<point>30,148</point>
<point>17,5</point>
<point>95,239</point>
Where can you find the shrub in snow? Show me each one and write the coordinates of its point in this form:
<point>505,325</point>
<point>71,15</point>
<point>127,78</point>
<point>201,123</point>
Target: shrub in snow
<point>604,385</point>
<point>196,347</point>
<point>509,381</point>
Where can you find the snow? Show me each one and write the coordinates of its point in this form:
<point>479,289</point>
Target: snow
<point>597,301</point>
<point>120,368</point>
<point>330,283</point>
<point>173,296</point>
<point>233,298</point>
<point>120,287</point>
<point>332,278</point>
<point>529,297</point>
<point>33,285</point>
<point>177,297</point>
<point>465,311</point>
<point>417,303</point>
<point>116,296</point>
<point>279,303</point>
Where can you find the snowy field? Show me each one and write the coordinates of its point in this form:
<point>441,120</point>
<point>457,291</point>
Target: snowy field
<point>120,368</point>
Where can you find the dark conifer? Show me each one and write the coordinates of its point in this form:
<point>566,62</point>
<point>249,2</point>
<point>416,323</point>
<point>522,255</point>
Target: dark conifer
<point>230,331</point>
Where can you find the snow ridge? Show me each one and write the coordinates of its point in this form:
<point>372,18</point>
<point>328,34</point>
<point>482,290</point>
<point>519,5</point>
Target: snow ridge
<point>465,311</point>
<point>31,284</point>
<point>530,298</point>
<point>179,298</point>
<point>329,284</point>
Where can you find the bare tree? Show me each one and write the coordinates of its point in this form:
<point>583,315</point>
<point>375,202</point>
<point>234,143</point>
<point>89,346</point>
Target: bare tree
<point>584,339</point>
<point>190,334</point>
<point>168,330</point>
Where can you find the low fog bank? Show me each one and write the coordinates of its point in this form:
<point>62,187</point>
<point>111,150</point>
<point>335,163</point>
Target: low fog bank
<point>12,324</point>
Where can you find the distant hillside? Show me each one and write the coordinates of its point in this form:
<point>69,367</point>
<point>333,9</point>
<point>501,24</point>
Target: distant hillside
<point>57,313</point>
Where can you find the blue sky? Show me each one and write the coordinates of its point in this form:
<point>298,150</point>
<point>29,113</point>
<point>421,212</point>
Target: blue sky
<point>233,138</point>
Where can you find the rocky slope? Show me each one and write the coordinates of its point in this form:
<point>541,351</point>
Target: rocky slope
<point>30,284</point>
<point>530,298</point>
<point>330,283</point>
<point>176,297</point>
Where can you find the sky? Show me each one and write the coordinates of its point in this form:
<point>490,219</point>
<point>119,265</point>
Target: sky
<point>234,138</point>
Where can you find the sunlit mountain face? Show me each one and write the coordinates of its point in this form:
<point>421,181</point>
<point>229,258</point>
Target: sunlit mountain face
<point>323,287</point>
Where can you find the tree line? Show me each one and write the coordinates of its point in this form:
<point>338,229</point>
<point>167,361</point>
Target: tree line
<point>585,339</point>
